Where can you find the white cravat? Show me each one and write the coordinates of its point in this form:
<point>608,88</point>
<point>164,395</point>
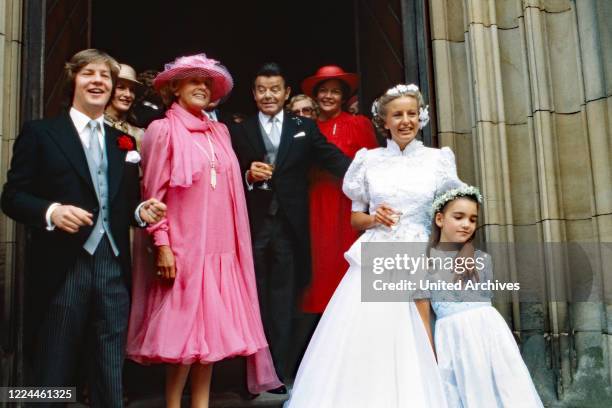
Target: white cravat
<point>94,144</point>
<point>274,134</point>
<point>266,124</point>
<point>81,122</point>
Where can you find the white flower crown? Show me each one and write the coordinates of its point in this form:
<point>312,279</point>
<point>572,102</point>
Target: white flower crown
<point>450,195</point>
<point>399,90</point>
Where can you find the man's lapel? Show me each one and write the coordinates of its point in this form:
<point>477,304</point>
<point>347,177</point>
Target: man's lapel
<point>289,130</point>
<point>67,138</point>
<point>254,135</point>
<point>116,160</point>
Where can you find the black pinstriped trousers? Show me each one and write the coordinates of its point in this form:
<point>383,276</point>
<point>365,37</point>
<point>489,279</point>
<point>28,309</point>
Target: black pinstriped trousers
<point>274,254</point>
<point>92,303</point>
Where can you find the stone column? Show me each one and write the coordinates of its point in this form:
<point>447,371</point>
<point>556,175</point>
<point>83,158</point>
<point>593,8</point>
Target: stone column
<point>10,80</point>
<point>524,92</point>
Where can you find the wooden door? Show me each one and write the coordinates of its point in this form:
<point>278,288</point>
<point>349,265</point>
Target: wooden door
<point>392,38</point>
<point>67,30</point>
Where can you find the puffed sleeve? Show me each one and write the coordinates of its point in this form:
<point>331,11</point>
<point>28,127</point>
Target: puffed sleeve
<point>446,171</point>
<point>355,184</point>
<point>156,151</point>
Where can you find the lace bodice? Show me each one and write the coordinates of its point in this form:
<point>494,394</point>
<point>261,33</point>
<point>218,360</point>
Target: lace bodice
<point>406,180</point>
<point>448,302</point>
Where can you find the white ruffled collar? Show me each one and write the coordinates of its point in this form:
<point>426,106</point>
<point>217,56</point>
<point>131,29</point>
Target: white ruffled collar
<point>394,148</point>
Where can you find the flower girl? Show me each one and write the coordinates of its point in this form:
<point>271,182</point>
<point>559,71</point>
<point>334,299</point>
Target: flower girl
<point>478,358</point>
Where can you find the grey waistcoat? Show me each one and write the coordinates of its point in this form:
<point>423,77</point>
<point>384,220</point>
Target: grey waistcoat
<point>99,176</point>
<point>270,148</point>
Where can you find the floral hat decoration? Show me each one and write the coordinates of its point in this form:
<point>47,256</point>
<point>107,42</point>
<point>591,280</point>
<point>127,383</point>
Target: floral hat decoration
<point>402,90</point>
<point>464,190</point>
<point>197,66</point>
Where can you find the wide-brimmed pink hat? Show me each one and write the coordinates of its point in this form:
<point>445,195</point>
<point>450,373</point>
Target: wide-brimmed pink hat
<point>197,66</point>
<point>331,72</point>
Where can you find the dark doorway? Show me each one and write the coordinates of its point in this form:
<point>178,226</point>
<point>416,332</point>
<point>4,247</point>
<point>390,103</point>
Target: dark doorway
<point>386,41</point>
<point>301,36</point>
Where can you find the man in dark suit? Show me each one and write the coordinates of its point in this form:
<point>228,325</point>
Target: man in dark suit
<point>277,148</point>
<point>74,183</point>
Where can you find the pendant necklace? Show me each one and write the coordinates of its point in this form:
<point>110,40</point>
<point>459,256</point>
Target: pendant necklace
<point>212,160</point>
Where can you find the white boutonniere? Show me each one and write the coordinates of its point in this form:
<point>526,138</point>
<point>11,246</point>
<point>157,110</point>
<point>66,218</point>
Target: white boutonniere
<point>132,157</point>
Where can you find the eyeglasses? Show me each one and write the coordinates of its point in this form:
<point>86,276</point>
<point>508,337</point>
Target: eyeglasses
<point>303,111</point>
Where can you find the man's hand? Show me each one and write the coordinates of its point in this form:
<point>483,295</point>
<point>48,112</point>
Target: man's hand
<point>70,218</point>
<point>259,171</point>
<point>152,211</point>
<point>166,266</point>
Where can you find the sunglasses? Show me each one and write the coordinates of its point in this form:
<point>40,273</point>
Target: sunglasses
<point>301,111</point>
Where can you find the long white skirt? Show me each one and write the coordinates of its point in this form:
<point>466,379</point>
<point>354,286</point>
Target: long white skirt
<point>367,355</point>
<point>480,363</point>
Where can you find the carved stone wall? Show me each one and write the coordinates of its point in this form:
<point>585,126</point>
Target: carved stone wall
<point>10,79</point>
<point>524,98</point>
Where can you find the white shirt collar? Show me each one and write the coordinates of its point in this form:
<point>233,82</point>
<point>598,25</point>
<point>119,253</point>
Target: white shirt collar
<point>212,115</point>
<point>411,147</point>
<point>265,119</point>
<point>81,120</point>
<point>150,105</point>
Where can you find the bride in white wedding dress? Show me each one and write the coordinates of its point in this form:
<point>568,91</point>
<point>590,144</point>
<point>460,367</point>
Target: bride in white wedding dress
<point>379,354</point>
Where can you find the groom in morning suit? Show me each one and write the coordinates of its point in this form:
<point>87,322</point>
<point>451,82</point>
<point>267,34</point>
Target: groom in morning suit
<point>279,215</point>
<point>74,183</point>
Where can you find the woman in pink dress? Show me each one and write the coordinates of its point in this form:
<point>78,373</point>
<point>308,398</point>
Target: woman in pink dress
<point>196,303</point>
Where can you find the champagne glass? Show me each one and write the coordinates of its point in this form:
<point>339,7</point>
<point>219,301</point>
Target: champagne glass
<point>269,160</point>
<point>396,216</point>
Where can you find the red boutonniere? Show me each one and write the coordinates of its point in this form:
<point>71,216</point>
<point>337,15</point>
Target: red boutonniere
<point>125,143</point>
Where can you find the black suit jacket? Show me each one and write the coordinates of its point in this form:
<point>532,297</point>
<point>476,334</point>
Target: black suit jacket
<point>49,165</point>
<point>224,117</point>
<point>301,146</point>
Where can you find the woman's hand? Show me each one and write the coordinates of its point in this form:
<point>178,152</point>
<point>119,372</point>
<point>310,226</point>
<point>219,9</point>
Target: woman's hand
<point>385,215</point>
<point>166,266</point>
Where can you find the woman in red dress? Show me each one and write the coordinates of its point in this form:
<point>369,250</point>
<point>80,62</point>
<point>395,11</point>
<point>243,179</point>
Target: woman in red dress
<point>330,211</point>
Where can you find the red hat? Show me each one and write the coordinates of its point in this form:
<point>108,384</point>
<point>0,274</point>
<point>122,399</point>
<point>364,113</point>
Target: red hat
<point>330,72</point>
<point>197,65</point>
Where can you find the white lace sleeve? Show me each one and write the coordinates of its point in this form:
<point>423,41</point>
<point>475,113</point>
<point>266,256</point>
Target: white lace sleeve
<point>355,184</point>
<point>447,169</point>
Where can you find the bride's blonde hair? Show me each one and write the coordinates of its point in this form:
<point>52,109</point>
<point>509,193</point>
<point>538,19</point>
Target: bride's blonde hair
<point>379,107</point>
